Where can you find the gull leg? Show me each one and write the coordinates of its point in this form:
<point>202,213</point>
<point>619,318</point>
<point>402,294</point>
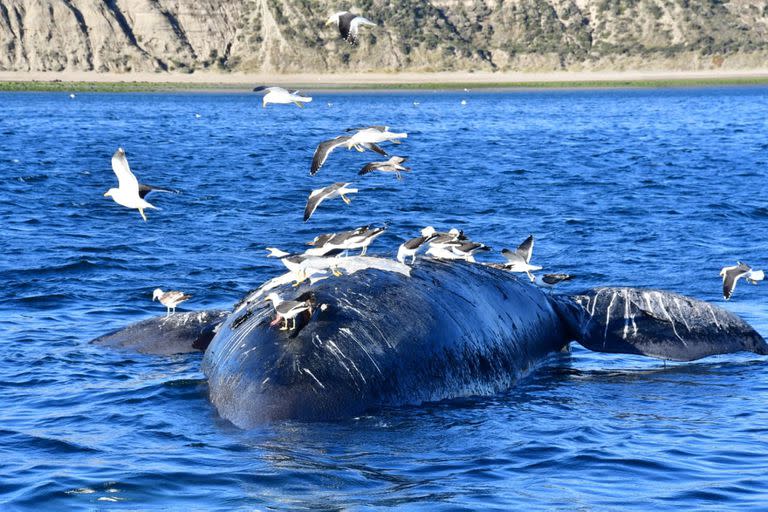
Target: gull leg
<point>336,272</point>
<point>345,198</point>
<point>141,211</point>
<point>298,104</point>
<point>167,312</point>
<point>531,277</point>
<point>398,176</point>
<point>359,149</point>
<point>363,251</point>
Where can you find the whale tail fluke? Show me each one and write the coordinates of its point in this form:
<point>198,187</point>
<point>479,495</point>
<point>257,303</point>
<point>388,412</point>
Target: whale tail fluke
<point>655,323</point>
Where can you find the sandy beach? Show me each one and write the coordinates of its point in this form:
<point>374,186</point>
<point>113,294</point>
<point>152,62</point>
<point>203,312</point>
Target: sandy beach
<point>230,81</point>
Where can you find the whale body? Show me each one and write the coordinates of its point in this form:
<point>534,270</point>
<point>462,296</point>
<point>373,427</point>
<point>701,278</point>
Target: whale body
<point>450,329</point>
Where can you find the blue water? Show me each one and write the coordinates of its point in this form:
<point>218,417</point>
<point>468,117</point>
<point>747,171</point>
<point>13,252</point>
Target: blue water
<point>652,188</point>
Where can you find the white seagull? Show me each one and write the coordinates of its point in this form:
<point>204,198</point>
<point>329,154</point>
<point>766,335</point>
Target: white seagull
<point>169,299</point>
<point>288,310</point>
<point>128,192</point>
<point>520,259</point>
<point>321,194</point>
<point>281,96</point>
<point>349,24</point>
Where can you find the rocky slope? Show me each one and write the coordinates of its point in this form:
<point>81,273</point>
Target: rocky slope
<point>413,35</point>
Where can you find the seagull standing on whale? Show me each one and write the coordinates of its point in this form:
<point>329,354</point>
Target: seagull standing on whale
<point>169,299</point>
<point>281,96</point>
<point>349,24</point>
<point>412,246</point>
<point>128,192</point>
<point>288,310</point>
<point>321,194</point>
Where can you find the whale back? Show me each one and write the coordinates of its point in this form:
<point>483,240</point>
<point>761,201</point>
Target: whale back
<point>655,323</point>
<point>380,338</point>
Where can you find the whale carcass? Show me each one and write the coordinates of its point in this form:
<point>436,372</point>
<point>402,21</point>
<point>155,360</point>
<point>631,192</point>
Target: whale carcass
<point>443,330</point>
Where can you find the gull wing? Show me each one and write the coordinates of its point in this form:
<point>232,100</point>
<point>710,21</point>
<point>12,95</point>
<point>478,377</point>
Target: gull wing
<point>525,249</point>
<point>174,297</point>
<point>369,168</point>
<point>513,257</point>
<point>378,128</point>
<point>125,178</point>
<point>323,150</point>
<point>354,26</point>
<point>373,147</point>
<point>146,189</point>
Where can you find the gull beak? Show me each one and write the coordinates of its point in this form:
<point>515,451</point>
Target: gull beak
<point>106,194</point>
<point>329,21</point>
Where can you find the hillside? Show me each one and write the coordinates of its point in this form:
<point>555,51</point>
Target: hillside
<point>290,36</point>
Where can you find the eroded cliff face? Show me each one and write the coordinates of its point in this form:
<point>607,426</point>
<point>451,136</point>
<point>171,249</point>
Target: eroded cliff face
<point>428,35</point>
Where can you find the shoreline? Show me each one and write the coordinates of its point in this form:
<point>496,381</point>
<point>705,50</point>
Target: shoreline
<point>349,82</point>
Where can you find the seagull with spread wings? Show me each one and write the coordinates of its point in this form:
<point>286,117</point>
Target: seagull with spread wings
<point>321,194</point>
<point>128,192</point>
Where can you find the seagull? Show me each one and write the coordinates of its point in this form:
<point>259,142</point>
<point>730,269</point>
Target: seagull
<point>520,259</point>
<point>553,279</point>
<point>412,246</point>
<point>169,299</point>
<point>391,165</point>
<point>321,194</point>
<point>731,276</point>
<point>281,96</point>
<point>348,24</point>
<point>288,310</point>
<point>128,192</point>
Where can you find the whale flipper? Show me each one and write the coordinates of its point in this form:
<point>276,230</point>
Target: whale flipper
<point>179,333</point>
<point>655,323</point>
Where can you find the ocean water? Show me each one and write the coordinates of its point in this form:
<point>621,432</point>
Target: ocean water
<point>655,188</point>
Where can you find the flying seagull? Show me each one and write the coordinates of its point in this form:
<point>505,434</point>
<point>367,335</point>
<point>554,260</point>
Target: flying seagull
<point>281,96</point>
<point>731,275</point>
<point>348,24</point>
<point>321,194</point>
<point>169,299</point>
<point>520,259</point>
<point>391,165</point>
<point>288,310</point>
<point>128,192</point>
<point>412,246</point>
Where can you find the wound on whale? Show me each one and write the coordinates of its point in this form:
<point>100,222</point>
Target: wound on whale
<point>449,330</point>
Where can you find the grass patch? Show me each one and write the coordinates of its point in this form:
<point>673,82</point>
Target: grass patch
<point>58,86</point>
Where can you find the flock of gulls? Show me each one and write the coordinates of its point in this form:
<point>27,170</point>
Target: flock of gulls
<point>329,253</point>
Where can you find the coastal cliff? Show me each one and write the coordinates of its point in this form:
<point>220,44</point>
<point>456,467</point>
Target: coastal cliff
<point>290,36</point>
